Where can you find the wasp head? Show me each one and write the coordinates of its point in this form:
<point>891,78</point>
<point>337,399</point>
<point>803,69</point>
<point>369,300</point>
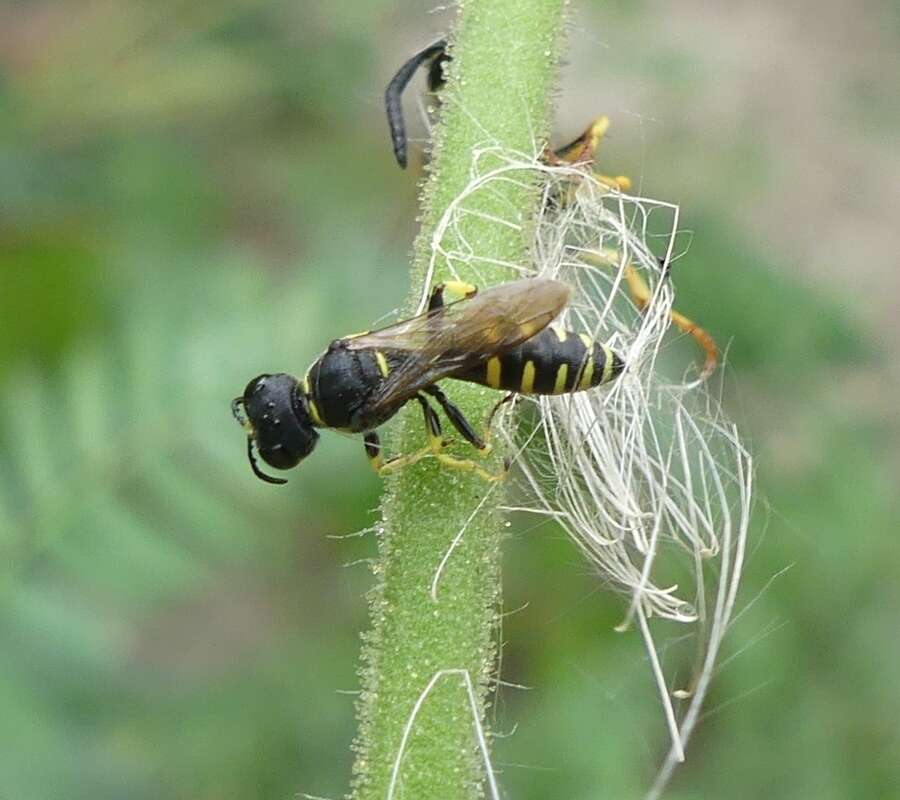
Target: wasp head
<point>277,421</point>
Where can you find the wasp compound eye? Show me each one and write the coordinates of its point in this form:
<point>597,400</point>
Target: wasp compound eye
<point>279,421</point>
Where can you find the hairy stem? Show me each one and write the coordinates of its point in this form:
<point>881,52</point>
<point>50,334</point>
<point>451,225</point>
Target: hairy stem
<point>427,642</point>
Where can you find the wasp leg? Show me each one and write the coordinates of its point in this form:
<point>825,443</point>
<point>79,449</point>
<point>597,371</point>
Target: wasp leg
<point>434,56</point>
<point>456,416</point>
<point>490,417</point>
<point>641,295</point>
<point>437,443</point>
<point>463,290</point>
<point>465,427</point>
<point>382,465</point>
<point>640,292</point>
<point>372,444</point>
<point>583,150</point>
<point>467,465</point>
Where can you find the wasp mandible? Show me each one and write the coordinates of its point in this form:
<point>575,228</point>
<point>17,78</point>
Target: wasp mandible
<point>501,338</point>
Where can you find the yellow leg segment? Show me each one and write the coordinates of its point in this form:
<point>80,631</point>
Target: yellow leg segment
<point>468,465</point>
<point>640,293</point>
<point>436,445</point>
<point>383,467</point>
<point>458,290</point>
<point>435,448</point>
<point>583,150</point>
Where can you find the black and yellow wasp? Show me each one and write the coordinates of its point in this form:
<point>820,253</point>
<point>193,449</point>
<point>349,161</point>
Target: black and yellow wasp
<point>501,338</point>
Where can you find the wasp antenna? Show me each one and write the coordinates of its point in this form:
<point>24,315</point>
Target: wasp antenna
<point>255,467</point>
<point>394,92</point>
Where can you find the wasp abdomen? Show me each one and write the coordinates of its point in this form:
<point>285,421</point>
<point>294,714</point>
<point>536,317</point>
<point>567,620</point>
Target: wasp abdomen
<point>555,361</point>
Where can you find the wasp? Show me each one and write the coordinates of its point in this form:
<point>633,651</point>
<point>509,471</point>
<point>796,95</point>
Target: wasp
<point>434,59</point>
<point>501,338</point>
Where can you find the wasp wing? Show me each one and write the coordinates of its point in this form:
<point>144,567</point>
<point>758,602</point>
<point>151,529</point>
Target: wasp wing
<point>462,335</point>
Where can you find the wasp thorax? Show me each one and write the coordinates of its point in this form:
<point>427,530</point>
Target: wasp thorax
<point>279,415</point>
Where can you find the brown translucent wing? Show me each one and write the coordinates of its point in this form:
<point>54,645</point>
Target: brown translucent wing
<point>462,335</point>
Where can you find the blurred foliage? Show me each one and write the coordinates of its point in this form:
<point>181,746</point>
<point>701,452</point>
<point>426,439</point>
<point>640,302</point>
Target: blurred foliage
<point>193,194</point>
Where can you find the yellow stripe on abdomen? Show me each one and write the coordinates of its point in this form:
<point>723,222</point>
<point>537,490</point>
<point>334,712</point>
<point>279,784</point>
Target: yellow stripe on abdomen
<point>561,333</point>
<point>528,378</point>
<point>587,375</point>
<point>493,372</point>
<point>607,365</point>
<point>562,375</point>
<point>587,371</point>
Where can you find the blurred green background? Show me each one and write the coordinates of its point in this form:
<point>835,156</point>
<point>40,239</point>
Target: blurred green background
<point>194,193</point>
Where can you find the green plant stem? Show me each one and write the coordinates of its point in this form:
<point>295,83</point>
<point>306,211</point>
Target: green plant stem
<point>504,68</point>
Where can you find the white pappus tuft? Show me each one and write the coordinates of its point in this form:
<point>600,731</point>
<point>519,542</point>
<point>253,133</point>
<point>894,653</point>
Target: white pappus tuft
<point>647,476</point>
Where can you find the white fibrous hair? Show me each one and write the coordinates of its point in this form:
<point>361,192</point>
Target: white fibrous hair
<point>647,476</point>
